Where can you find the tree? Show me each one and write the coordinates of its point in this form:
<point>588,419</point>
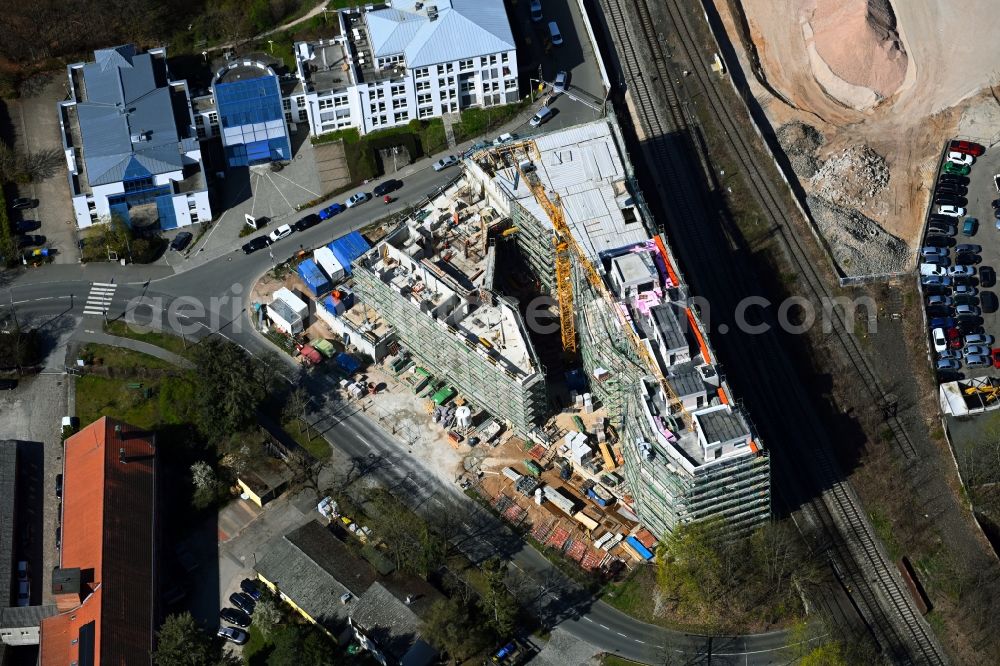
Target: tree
<point>206,484</point>
<point>20,348</point>
<point>267,615</point>
<point>295,406</point>
<point>181,643</point>
<point>296,644</point>
<point>450,626</point>
<point>497,605</point>
<point>232,384</point>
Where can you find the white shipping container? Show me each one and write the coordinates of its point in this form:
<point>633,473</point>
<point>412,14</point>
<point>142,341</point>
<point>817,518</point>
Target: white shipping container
<point>326,260</point>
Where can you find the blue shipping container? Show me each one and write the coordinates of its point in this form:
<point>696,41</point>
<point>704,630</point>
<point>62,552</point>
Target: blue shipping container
<point>349,248</point>
<point>313,277</point>
<point>639,548</point>
<point>348,363</point>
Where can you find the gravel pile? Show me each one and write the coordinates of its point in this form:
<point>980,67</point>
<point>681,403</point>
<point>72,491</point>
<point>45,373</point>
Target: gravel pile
<point>860,245</point>
<point>800,142</point>
<point>851,178</point>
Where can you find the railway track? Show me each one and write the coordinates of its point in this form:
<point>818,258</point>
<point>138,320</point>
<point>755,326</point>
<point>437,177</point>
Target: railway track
<point>857,556</point>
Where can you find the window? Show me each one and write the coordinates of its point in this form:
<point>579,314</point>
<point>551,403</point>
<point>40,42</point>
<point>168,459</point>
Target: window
<point>288,117</point>
<point>302,116</point>
<point>467,86</point>
<point>425,111</point>
<point>441,83</point>
<point>423,85</point>
<point>325,104</point>
<point>377,108</point>
<point>421,73</point>
<point>511,84</point>
<point>424,99</point>
<point>380,94</point>
<point>286,104</point>
<point>213,118</point>
<point>466,64</point>
<point>401,116</point>
<point>450,67</point>
<point>504,58</point>
<point>398,90</point>
<point>493,60</point>
<point>340,101</point>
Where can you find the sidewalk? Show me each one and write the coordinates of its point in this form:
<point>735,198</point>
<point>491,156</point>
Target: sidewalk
<point>135,345</point>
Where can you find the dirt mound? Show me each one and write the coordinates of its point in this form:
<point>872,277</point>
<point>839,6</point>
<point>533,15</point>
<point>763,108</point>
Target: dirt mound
<point>851,178</point>
<point>859,244</point>
<point>858,40</point>
<point>801,142</point>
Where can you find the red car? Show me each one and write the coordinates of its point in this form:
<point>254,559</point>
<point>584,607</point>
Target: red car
<point>954,338</point>
<point>996,357</point>
<point>968,148</point>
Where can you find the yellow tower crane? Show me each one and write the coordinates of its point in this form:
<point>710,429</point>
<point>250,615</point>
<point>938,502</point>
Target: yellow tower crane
<point>566,243</point>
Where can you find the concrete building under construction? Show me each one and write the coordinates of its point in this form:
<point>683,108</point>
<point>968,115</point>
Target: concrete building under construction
<point>571,205</point>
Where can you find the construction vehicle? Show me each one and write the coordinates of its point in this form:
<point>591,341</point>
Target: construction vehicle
<point>564,244</point>
<point>989,392</point>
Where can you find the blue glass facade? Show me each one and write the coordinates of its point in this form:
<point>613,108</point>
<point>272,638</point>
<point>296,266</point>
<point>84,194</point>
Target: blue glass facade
<point>252,122</point>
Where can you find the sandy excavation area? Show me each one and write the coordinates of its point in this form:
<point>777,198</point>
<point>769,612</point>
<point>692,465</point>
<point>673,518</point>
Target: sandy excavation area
<point>861,94</point>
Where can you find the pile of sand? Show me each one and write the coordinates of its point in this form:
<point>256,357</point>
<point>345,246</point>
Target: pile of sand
<point>857,39</point>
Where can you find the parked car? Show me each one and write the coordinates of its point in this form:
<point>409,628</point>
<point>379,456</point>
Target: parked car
<point>243,601</point>
<point>24,226</point>
<point>181,241</point>
<point>357,198</point>
<point>934,240</point>
<point>961,270</point>
<point>967,147</point>
<point>541,116</point>
<point>964,290</point>
<point>949,199</point>
<point>939,311</point>
<point>506,137</point>
<point>385,188</point>
<point>255,244</point>
<point>939,300</point>
<point>987,277</point>
<point>951,353</point>
<point>942,322</point>
<point>978,361</point>
<point>940,341</point>
<point>936,260</point>
<point>233,616</point>
<point>536,12</point>
<point>956,169</point>
<point>931,251</point>
<point>967,259</point>
<point>969,327</point>
<point>996,358</point>
<point>954,211</point>
<point>284,231</point>
<point>59,478</point>
<point>233,635</point>
<point>976,350</point>
<point>957,157</point>
<point>932,269</point>
<point>953,178</point>
<point>331,210</point>
<point>445,162</point>
<point>970,226</point>
<point>23,593</point>
<point>951,188</point>
<point>554,34</point>
<point>30,240</point>
<point>560,82</point>
<point>21,203</point>
<point>979,339</point>
<point>948,364</point>
<point>935,280</point>
<point>954,339</point>
<point>250,588</point>
<point>306,222</point>
<point>969,247</point>
<point>947,230</point>
<point>963,310</point>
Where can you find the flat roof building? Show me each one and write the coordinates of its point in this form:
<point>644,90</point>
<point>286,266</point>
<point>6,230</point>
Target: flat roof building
<point>129,139</point>
<point>252,125</point>
<point>106,586</point>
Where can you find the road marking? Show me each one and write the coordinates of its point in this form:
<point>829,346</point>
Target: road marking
<point>620,634</point>
<point>99,298</point>
<point>605,626</point>
<point>638,641</point>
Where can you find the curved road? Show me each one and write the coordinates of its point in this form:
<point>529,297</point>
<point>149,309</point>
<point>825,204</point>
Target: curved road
<point>201,295</point>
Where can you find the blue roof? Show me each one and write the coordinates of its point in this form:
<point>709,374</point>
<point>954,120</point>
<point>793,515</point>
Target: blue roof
<point>127,121</point>
<point>462,29</point>
<point>348,248</point>
<point>313,277</point>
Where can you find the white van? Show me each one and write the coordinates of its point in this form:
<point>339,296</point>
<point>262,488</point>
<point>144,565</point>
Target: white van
<point>536,10</point>
<point>541,116</point>
<point>554,33</point>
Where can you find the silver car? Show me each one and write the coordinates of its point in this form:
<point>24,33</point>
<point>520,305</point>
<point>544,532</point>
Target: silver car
<point>562,80</point>
<point>968,247</point>
<point>976,350</point>
<point>978,361</point>
<point>445,162</point>
<point>979,339</point>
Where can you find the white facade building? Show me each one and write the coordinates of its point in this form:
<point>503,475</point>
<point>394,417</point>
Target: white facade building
<point>413,60</point>
<point>129,140</point>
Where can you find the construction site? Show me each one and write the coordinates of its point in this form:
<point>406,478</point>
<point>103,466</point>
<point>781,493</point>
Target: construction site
<point>548,336</point>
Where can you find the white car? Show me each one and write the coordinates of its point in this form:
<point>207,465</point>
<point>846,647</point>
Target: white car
<point>940,341</point>
<point>506,137</point>
<point>960,158</point>
<point>357,198</point>
<point>536,10</point>
<point>445,162</point>
<point>951,211</point>
<point>560,82</point>
<point>284,231</point>
<point>964,271</point>
<point>932,269</point>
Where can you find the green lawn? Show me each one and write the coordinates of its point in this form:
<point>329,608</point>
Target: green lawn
<point>632,595</point>
<point>316,446</point>
<point>171,343</point>
<point>167,404</point>
<point>125,360</point>
<point>476,122</point>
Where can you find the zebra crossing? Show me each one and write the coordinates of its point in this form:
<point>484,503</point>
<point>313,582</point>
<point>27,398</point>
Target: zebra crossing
<point>99,298</point>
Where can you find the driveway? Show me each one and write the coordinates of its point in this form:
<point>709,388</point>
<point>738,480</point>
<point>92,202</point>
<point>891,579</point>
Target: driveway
<point>36,129</point>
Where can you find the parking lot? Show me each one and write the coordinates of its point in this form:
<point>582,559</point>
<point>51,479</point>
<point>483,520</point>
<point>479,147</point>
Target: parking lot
<point>981,286</point>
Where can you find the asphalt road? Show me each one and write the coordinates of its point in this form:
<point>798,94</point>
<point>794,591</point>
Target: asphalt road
<point>210,296</point>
